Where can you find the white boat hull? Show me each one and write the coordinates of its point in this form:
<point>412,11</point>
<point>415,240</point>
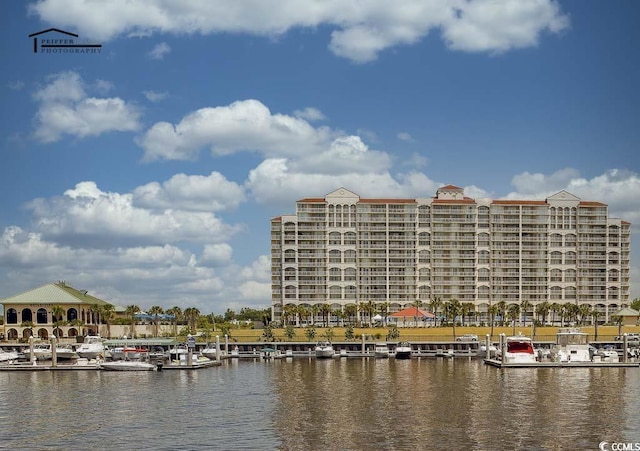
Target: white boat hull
<point>123,365</point>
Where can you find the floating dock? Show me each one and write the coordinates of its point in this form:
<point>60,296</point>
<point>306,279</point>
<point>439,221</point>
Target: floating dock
<point>499,364</point>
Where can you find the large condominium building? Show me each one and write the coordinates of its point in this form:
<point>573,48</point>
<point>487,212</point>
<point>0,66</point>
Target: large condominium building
<point>342,249</point>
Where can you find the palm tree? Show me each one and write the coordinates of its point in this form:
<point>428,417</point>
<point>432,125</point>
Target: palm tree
<point>502,310</point>
<point>468,309</point>
<point>435,304</point>
<point>368,308</point>
<point>192,314</point>
<point>351,310</point>
<point>106,313</point>
<point>453,309</point>
<point>131,311</point>
<point>493,311</point>
<point>57,313</point>
<point>304,312</point>
<point>555,309</point>
<point>155,311</point>
<point>176,312</point>
<point>383,310</point>
<point>315,310</point>
<point>584,311</point>
<point>514,312</point>
<point>595,313</point>
<point>543,310</point>
<point>325,311</point>
<point>95,315</point>
<point>525,305</point>
<point>289,311</point>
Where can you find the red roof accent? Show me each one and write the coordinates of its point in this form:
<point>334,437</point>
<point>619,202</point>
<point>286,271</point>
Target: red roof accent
<point>387,201</point>
<point>411,312</point>
<point>587,203</point>
<point>450,187</point>
<point>277,218</point>
<point>311,199</point>
<point>519,202</point>
<point>466,200</point>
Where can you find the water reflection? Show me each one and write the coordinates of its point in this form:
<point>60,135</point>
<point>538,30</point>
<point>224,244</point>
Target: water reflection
<point>322,404</point>
<point>428,404</point>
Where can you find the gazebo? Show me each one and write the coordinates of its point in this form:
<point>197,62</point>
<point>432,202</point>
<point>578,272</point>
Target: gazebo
<point>411,317</point>
<point>628,316</point>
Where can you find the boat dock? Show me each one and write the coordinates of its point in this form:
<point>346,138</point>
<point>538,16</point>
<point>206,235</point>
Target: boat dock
<point>499,364</point>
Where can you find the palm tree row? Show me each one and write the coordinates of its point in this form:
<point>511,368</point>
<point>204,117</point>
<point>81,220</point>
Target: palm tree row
<point>452,311</point>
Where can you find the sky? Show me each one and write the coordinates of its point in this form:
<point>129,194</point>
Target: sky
<point>147,170</point>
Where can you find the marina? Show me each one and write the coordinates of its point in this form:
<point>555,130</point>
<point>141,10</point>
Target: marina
<point>278,404</point>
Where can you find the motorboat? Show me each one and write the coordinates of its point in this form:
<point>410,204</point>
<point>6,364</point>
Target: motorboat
<point>381,350</point>
<point>210,351</point>
<point>324,350</point>
<point>482,350</point>
<point>518,349</point>
<point>571,346</point>
<point>403,350</point>
<point>177,352</point>
<point>8,356</point>
<point>65,352</point>
<point>127,353</point>
<point>127,365</point>
<point>91,348</point>
<point>269,353</point>
<point>40,351</point>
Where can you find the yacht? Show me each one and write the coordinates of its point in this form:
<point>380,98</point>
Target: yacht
<point>8,356</point>
<point>91,348</point>
<point>518,349</point>
<point>381,350</point>
<point>403,350</point>
<point>571,346</point>
<point>324,350</point>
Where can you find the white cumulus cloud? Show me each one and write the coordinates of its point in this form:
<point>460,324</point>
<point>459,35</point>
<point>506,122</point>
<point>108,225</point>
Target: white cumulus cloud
<point>159,51</point>
<point>360,30</point>
<point>66,109</point>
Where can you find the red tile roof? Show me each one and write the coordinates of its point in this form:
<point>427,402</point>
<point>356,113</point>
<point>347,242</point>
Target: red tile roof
<point>411,312</point>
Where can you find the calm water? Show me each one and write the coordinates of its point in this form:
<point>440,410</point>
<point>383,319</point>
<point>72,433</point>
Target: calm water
<point>341,404</point>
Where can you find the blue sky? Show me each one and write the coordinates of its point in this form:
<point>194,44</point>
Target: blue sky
<point>147,173</point>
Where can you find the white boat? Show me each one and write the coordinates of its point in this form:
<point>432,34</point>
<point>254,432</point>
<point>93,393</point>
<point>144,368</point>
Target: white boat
<point>519,349</point>
<point>381,350</point>
<point>176,352</point>
<point>8,356</point>
<point>571,346</point>
<point>91,348</point>
<point>127,353</point>
<point>65,352</point>
<point>482,350</point>
<point>324,350</point>
<point>210,351</point>
<point>403,350</point>
<point>127,365</point>
<point>41,351</point>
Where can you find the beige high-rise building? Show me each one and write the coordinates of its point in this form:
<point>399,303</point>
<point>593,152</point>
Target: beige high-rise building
<point>342,250</point>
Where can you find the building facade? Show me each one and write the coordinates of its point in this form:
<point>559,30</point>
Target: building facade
<point>52,309</point>
<point>343,250</point>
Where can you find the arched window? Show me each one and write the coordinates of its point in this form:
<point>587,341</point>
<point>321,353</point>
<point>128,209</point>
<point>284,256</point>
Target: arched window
<point>335,239</point>
<point>349,256</point>
<point>350,239</point>
<point>335,292</point>
<point>350,274</point>
<point>335,275</point>
<point>72,314</point>
<point>27,315</point>
<point>483,275</point>
<point>335,256</point>
<point>556,258</point>
<point>12,316</point>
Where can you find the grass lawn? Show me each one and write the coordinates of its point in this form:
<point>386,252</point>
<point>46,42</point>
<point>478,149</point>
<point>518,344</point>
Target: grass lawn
<point>605,333</point>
